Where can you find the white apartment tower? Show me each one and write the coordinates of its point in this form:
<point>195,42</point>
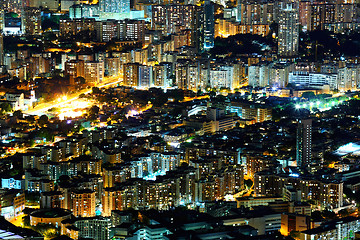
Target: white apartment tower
<point>288,32</point>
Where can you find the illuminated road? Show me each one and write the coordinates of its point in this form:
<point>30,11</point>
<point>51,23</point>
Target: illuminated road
<point>18,221</point>
<point>188,99</point>
<point>44,107</point>
<point>247,191</point>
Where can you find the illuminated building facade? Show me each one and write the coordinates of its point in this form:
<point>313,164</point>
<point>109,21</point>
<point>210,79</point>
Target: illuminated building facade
<point>131,74</point>
<point>112,66</point>
<point>341,228</point>
<point>326,193</point>
<point>186,75</point>
<point>94,227</point>
<point>171,19</point>
<point>131,30</point>
<point>288,30</point>
<point>114,6</point>
<point>145,76</point>
<point>75,26</point>
<point>106,30</point>
<point>31,21</point>
<point>74,69</point>
<point>348,78</point>
<point>162,73</point>
<point>254,112</point>
<point>226,28</point>
<point>250,12</point>
<point>83,203</point>
<point>222,77</point>
<point>259,74</point>
<point>94,72</point>
<point>304,142</point>
<point>305,79</point>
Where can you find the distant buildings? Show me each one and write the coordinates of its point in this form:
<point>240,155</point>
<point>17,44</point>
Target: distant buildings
<point>323,192</point>
<point>132,168</point>
<point>256,12</point>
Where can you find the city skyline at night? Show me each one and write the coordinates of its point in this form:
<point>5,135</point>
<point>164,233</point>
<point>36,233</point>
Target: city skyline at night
<point>179,119</point>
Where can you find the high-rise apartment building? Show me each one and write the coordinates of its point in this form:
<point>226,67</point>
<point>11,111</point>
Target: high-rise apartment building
<point>209,26</point>
<point>31,21</point>
<point>221,77</point>
<point>259,74</point>
<point>161,74</point>
<point>279,74</point>
<point>348,78</point>
<point>250,12</point>
<point>83,203</point>
<point>131,74</point>
<point>145,76</point>
<point>106,30</point>
<point>204,32</point>
<point>74,69</point>
<point>112,66</point>
<point>131,30</point>
<point>94,72</point>
<point>304,142</point>
<point>186,74</point>
<point>172,18</point>
<point>288,32</point>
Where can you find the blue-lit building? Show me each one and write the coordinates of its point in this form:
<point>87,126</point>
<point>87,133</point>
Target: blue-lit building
<point>11,183</point>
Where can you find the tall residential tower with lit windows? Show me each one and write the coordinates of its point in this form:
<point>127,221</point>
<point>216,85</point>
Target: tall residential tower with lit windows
<point>304,142</point>
<point>288,32</point>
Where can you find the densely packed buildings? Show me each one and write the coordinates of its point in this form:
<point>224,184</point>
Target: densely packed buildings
<point>177,119</point>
